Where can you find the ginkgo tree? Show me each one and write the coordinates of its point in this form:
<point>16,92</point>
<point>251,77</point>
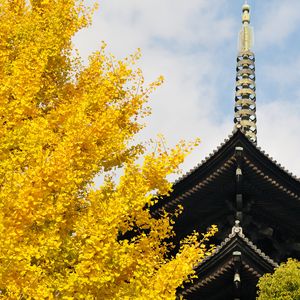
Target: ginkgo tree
<point>62,123</point>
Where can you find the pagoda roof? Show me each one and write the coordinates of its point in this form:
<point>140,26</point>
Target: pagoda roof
<point>216,272</point>
<point>232,139</point>
<point>271,195</point>
<point>223,155</point>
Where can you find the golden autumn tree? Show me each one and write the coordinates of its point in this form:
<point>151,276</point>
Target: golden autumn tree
<point>63,123</point>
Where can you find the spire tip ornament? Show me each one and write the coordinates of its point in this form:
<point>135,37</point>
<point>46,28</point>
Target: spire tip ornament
<point>246,33</point>
<point>245,96</point>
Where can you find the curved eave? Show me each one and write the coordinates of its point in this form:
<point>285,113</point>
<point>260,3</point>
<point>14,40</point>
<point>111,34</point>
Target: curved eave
<point>237,238</point>
<point>221,263</point>
<point>221,160</point>
<point>222,150</point>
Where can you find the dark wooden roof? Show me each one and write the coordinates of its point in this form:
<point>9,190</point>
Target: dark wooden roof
<point>216,274</point>
<point>270,198</point>
<point>221,162</point>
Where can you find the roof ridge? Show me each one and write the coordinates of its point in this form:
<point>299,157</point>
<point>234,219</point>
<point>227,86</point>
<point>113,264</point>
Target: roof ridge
<point>221,145</point>
<point>206,158</point>
<point>237,230</point>
<point>263,152</point>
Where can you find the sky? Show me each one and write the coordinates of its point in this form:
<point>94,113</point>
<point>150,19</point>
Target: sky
<point>193,44</point>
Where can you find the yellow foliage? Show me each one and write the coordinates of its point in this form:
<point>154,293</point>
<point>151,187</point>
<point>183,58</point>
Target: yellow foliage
<point>61,124</point>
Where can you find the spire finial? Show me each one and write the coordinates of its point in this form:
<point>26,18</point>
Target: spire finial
<point>246,33</point>
<point>245,96</point>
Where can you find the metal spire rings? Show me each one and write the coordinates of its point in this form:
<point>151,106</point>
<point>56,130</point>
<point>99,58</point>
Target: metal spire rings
<point>245,96</point>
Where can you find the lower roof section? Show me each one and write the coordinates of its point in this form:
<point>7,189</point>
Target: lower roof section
<point>231,272</point>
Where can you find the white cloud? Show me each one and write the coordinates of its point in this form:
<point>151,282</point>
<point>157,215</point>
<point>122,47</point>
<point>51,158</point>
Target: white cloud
<point>283,74</point>
<point>130,24</point>
<point>182,41</point>
<point>279,21</point>
<point>279,132</point>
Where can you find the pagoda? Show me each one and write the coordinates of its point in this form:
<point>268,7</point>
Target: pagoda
<point>252,199</point>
